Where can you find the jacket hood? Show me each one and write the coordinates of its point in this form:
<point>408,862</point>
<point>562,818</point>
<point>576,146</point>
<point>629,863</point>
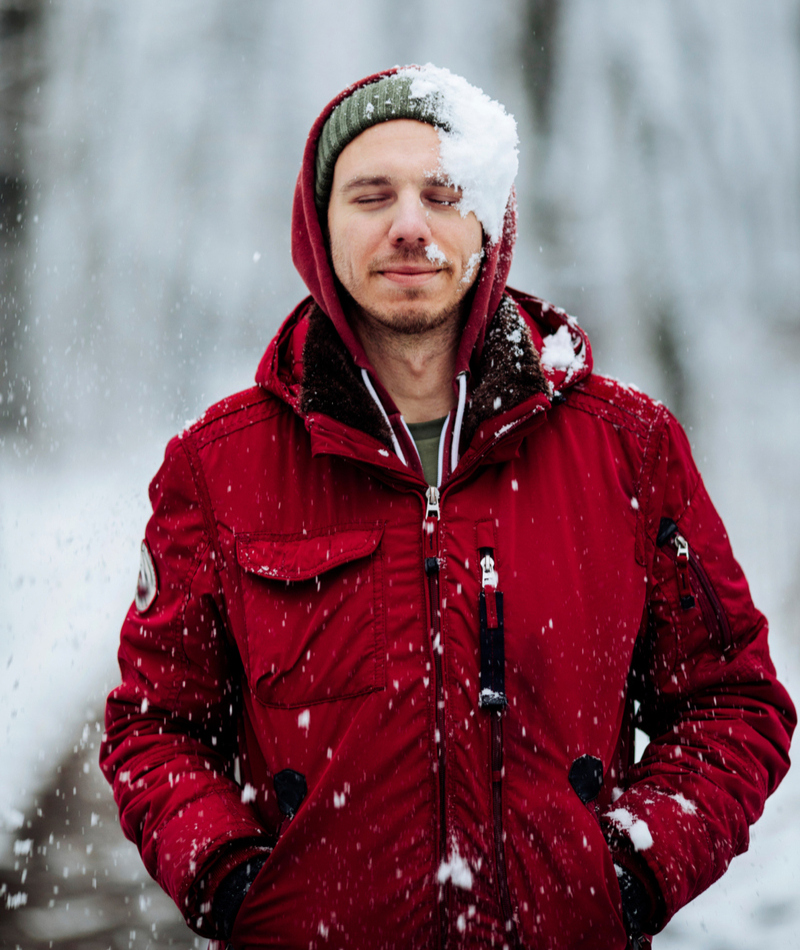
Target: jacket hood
<point>312,260</point>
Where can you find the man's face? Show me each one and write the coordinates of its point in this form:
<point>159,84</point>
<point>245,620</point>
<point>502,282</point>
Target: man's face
<point>399,244</point>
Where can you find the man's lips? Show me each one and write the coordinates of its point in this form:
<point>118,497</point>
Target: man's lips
<point>409,275</point>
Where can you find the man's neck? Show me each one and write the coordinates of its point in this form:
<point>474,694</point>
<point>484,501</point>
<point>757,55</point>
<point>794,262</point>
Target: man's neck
<point>416,369</point>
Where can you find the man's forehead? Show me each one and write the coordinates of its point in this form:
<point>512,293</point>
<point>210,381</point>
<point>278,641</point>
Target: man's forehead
<point>390,150</point>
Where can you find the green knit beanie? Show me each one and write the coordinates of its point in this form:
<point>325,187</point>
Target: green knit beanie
<point>388,98</point>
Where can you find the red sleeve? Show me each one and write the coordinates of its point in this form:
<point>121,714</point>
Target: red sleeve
<point>167,747</point>
<point>719,721</point>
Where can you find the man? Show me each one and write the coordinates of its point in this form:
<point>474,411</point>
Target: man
<point>398,601</point>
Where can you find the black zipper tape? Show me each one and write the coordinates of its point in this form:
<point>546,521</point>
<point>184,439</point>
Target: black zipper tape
<point>493,655</point>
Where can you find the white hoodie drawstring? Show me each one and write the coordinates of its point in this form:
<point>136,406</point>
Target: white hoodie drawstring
<point>462,401</point>
<point>442,438</point>
<point>379,404</point>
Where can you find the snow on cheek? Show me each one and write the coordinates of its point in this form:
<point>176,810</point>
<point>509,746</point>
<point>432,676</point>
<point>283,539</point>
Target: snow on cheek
<point>472,263</point>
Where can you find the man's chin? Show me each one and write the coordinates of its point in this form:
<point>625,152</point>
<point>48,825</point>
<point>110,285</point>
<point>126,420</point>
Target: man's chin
<point>412,320</point>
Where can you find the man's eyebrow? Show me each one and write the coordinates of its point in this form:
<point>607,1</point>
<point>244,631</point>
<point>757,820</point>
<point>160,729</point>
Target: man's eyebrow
<point>366,181</point>
<point>439,181</point>
<point>371,181</point>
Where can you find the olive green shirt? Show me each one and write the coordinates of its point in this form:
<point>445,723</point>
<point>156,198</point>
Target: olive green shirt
<point>426,436</point>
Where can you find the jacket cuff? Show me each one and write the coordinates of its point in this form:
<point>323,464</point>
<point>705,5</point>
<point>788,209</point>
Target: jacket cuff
<point>224,882</point>
<point>642,902</point>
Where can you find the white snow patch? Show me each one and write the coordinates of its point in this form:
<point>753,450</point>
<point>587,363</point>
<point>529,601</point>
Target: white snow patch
<point>635,828</point>
<point>11,819</point>
<point>383,452</point>
<point>304,719</point>
<point>456,870</point>
<point>558,352</point>
<point>687,805</point>
<point>13,901</point>
<point>488,697</point>
<point>478,147</point>
<point>248,793</point>
<point>472,263</point>
<point>338,800</point>
<point>23,847</point>
<point>635,504</point>
<point>435,254</point>
<point>503,429</point>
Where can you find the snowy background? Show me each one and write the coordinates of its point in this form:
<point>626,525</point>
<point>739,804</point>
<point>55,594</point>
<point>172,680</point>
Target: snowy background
<point>148,152</point>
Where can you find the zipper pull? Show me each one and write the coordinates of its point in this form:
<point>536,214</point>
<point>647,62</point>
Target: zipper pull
<point>430,531</point>
<point>488,573</point>
<point>489,584</point>
<point>432,496</point>
<point>682,568</point>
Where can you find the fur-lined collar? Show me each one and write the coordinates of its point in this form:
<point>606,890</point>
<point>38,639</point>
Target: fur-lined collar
<point>509,373</point>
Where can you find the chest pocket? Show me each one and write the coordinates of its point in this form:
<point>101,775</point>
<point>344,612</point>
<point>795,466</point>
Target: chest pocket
<point>313,614</point>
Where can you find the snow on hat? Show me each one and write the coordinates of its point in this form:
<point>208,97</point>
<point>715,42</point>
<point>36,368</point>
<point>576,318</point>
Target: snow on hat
<point>477,137</point>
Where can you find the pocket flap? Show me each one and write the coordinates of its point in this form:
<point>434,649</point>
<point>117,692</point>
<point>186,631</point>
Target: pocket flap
<point>301,557</point>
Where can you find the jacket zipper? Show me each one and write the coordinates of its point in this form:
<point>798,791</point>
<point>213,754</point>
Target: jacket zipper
<point>688,567</point>
<point>492,698</point>
<point>431,554</point>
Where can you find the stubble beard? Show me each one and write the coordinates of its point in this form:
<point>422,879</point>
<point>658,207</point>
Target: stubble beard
<point>405,317</point>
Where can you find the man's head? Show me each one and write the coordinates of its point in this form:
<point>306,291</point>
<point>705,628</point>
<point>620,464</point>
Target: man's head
<point>477,157</point>
<point>413,174</point>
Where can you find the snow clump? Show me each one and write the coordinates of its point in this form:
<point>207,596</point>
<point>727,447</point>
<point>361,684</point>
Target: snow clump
<point>558,352</point>
<point>636,829</point>
<point>688,807</point>
<point>477,146</point>
<point>456,870</point>
<point>435,254</point>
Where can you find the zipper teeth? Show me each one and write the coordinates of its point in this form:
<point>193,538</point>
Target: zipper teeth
<point>431,527</point>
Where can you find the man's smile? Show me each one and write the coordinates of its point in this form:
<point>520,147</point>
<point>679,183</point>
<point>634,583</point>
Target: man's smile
<point>408,275</point>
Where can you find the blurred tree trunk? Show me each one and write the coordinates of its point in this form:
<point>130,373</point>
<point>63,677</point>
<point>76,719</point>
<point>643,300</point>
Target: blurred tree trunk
<point>20,72</point>
<point>540,19</point>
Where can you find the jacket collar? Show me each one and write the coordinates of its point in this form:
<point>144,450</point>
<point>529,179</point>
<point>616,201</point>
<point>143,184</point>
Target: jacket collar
<point>509,372</point>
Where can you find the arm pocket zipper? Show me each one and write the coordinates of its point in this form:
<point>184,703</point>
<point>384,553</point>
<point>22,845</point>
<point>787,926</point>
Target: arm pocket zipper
<point>694,585</point>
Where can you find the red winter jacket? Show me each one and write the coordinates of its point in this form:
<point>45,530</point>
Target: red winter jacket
<point>317,611</point>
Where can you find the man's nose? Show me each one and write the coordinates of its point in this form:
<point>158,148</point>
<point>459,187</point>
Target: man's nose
<point>410,221</point>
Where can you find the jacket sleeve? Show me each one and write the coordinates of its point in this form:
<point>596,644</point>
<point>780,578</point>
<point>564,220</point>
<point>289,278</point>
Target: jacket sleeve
<point>168,744</point>
<point>718,720</point>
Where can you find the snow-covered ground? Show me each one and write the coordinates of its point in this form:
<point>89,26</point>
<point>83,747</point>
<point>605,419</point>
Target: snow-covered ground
<point>69,544</point>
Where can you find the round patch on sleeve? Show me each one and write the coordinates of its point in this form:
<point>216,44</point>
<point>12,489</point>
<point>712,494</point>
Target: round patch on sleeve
<point>147,582</point>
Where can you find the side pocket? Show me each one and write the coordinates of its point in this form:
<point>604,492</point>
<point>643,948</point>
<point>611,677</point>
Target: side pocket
<point>694,585</point>
<point>313,614</point>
